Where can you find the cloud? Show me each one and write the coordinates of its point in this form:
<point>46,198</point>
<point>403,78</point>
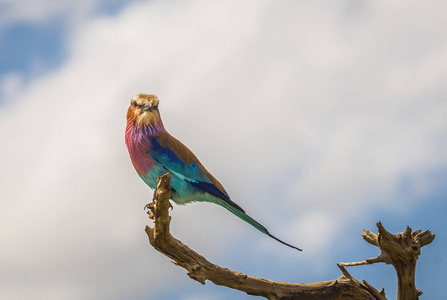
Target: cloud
<point>308,114</point>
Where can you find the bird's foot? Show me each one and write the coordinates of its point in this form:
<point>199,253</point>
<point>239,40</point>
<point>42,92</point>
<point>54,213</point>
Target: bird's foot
<point>150,207</point>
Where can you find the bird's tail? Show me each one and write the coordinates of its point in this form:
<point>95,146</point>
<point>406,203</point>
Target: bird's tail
<point>254,223</point>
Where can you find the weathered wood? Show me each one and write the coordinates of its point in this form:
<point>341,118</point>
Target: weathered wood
<point>402,251</point>
<point>200,269</point>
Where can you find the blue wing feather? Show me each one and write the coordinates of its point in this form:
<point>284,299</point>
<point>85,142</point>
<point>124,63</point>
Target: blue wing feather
<point>192,172</point>
<point>168,158</point>
<point>213,190</point>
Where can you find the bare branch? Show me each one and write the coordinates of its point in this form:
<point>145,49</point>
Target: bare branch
<point>200,269</point>
<point>379,295</point>
<point>370,237</point>
<point>402,251</point>
<point>382,258</point>
<point>424,238</point>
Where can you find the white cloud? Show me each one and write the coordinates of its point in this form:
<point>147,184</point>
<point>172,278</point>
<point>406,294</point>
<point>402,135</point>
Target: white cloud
<point>302,111</point>
<point>10,85</point>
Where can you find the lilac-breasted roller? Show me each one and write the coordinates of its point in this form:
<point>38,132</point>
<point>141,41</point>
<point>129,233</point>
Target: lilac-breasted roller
<point>154,152</point>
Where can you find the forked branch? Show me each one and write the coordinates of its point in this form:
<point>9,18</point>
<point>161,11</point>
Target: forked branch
<point>200,269</point>
<point>402,251</point>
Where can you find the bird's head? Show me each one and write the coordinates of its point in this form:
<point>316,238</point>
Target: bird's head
<point>143,110</point>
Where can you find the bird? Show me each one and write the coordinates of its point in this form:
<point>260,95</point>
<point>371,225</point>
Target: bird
<point>154,152</point>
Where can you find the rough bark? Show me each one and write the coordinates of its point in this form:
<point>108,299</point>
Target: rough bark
<point>400,250</point>
<point>345,287</point>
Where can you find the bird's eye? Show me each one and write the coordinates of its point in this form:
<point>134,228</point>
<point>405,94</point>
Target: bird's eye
<point>134,103</point>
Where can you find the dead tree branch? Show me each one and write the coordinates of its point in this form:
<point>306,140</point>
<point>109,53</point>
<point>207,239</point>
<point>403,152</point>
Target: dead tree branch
<point>402,251</point>
<point>201,269</point>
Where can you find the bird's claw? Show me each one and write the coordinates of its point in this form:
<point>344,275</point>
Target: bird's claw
<point>149,206</point>
<point>150,210</point>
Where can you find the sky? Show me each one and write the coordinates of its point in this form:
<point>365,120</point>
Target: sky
<point>320,118</point>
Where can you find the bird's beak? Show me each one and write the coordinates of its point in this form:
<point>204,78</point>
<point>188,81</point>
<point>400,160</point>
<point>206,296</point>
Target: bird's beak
<point>147,106</point>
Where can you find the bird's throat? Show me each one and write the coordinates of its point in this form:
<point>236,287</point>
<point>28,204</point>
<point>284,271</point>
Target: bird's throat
<point>138,141</point>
